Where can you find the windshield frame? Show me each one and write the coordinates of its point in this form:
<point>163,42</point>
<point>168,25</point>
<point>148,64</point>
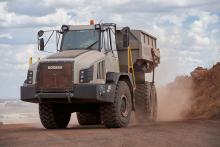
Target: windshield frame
<point>99,40</point>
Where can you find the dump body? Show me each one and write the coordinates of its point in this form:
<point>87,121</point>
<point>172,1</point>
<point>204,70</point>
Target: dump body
<point>142,46</point>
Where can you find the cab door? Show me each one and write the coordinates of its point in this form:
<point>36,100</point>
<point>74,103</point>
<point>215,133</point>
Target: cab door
<point>108,47</point>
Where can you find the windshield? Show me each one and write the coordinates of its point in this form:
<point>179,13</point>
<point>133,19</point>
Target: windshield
<point>81,39</point>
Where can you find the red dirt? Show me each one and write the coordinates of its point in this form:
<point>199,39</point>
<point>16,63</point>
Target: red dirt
<point>206,92</point>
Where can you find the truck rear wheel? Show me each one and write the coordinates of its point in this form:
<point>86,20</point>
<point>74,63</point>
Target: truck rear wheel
<point>146,102</point>
<point>54,116</point>
<point>88,118</point>
<point>117,114</point>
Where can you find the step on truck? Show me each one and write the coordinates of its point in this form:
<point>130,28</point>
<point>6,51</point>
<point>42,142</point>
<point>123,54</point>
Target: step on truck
<point>99,71</point>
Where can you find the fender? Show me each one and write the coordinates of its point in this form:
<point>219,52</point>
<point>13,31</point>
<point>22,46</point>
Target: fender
<point>114,77</point>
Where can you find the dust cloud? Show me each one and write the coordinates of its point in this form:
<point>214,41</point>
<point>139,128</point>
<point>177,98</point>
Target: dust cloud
<point>191,97</point>
<point>174,100</point>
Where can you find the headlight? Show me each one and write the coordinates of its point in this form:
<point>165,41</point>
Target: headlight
<point>29,79</point>
<point>86,75</point>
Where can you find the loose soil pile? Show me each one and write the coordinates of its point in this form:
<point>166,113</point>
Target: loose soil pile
<point>191,97</point>
<point>206,92</point>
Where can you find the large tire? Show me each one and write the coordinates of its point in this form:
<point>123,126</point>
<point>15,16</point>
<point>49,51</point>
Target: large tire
<point>153,107</point>
<point>88,118</point>
<point>117,114</point>
<point>54,116</point>
<point>146,102</point>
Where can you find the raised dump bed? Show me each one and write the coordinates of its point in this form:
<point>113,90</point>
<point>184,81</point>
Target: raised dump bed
<point>143,47</point>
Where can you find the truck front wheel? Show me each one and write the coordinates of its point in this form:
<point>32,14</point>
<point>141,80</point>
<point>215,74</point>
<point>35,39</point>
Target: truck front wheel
<point>117,114</point>
<point>54,116</point>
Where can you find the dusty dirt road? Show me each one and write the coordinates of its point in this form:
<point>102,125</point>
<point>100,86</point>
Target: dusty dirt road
<point>198,133</point>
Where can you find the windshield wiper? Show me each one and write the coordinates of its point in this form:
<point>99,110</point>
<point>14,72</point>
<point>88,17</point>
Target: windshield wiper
<point>92,44</point>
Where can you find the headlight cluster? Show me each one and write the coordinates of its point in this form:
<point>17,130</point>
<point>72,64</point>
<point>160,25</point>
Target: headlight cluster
<point>29,79</point>
<point>86,75</point>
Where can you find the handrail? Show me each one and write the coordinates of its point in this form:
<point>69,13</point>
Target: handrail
<point>130,66</point>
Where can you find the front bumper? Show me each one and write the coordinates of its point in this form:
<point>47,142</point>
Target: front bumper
<point>80,93</point>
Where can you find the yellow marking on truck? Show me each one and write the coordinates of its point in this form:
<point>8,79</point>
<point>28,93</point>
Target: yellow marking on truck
<point>130,65</point>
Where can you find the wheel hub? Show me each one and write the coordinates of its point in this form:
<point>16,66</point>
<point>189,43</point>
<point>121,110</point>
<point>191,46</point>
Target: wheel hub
<point>124,106</point>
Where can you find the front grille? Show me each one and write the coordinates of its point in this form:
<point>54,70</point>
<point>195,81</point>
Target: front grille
<point>55,77</point>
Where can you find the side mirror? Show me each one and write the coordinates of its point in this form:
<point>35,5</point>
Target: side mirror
<point>40,33</point>
<point>41,45</point>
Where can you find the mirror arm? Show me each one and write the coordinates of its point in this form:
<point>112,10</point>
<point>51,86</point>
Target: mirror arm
<point>39,37</point>
<point>49,38</point>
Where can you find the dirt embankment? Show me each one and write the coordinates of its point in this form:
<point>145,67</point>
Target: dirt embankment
<point>191,97</point>
<point>206,92</point>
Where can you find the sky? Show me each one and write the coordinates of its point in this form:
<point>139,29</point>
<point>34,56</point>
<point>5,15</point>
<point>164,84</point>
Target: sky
<point>188,32</point>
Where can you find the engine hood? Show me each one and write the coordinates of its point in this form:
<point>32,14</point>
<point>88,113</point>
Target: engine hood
<point>67,54</point>
<point>81,59</point>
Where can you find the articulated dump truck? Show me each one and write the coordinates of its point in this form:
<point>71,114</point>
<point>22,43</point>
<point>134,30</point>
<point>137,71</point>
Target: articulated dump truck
<point>99,71</point>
